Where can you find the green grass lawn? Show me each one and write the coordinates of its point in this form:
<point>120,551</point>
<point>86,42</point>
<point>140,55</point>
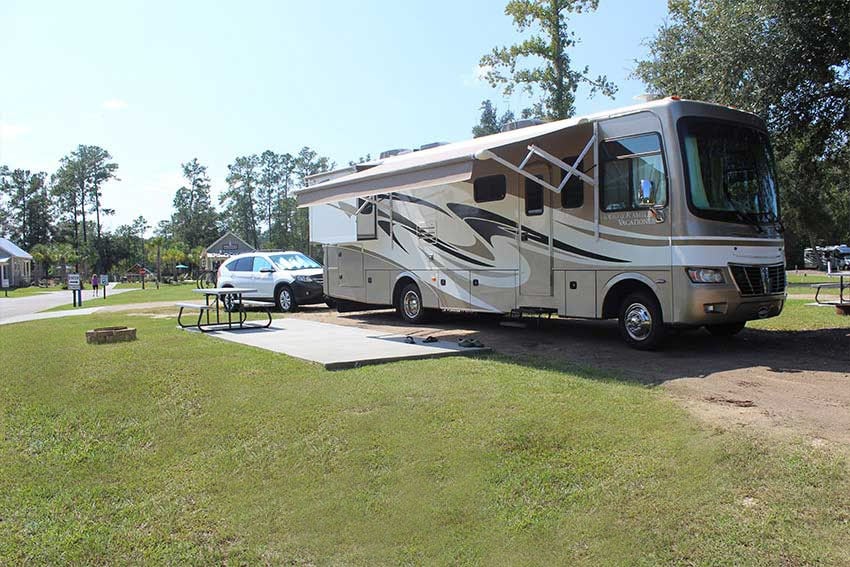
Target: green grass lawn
<point>800,315</point>
<point>28,291</point>
<point>181,448</point>
<point>166,292</point>
<point>805,279</point>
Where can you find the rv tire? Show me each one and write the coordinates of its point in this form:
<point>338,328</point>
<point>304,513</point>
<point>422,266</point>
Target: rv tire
<point>726,329</point>
<point>640,322</point>
<point>410,304</point>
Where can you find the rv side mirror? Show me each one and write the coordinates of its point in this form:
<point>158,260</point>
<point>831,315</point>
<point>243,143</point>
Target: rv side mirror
<point>647,188</point>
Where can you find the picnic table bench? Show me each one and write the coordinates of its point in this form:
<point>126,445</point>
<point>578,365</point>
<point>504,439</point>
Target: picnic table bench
<point>842,305</point>
<point>234,304</point>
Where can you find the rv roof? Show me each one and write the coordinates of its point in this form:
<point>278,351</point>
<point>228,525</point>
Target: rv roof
<point>450,163</point>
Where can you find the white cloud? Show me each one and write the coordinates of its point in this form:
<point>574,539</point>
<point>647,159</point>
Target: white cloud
<point>478,76</point>
<point>115,104</point>
<point>9,132</point>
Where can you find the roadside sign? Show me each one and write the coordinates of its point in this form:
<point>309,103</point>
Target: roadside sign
<point>73,281</point>
<point>104,279</point>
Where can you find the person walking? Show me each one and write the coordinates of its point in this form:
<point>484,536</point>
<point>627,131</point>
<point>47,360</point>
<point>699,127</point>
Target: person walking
<point>94,281</point>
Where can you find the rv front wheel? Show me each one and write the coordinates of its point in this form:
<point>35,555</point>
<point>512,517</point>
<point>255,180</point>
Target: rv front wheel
<point>410,304</point>
<point>641,325</point>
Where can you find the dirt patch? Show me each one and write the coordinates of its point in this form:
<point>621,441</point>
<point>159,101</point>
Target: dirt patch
<point>787,383</point>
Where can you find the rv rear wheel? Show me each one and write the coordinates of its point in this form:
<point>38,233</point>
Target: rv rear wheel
<point>726,329</point>
<point>640,322</point>
<point>410,304</point>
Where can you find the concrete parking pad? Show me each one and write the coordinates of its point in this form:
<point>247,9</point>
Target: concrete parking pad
<point>337,347</point>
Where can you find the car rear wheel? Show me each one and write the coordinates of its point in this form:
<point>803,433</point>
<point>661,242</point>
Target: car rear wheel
<point>284,299</point>
<point>640,322</point>
<point>229,301</point>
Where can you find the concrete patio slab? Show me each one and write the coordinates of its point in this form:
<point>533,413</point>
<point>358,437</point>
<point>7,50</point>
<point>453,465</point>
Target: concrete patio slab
<point>337,347</point>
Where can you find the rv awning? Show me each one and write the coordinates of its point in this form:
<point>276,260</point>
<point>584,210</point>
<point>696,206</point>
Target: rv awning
<point>451,163</point>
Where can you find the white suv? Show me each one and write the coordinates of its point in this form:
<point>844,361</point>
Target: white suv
<point>288,278</point>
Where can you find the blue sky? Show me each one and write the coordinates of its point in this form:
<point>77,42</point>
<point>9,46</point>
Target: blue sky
<point>158,83</point>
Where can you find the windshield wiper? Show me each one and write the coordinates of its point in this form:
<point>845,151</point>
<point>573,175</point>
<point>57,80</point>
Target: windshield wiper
<point>746,219</point>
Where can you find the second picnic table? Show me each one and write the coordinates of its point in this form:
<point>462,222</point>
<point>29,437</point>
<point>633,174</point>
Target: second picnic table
<point>843,303</point>
<point>231,300</point>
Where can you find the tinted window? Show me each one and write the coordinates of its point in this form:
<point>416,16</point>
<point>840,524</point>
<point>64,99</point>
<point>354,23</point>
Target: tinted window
<point>490,188</point>
<point>572,195</point>
<point>629,167</point>
<point>241,264</point>
<point>261,263</point>
<point>533,198</point>
<point>367,210</point>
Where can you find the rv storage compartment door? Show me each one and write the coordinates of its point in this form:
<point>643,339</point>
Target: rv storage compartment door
<point>350,267</point>
<point>453,289</point>
<point>580,293</point>
<point>493,291</point>
<point>378,287</point>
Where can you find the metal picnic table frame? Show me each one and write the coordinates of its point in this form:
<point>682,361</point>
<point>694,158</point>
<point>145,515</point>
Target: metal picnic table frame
<point>238,305</point>
<point>842,303</point>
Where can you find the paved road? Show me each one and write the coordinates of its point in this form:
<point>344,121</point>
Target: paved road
<point>13,310</point>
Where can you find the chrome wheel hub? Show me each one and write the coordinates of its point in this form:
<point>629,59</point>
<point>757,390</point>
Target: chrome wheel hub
<point>285,299</point>
<point>638,321</point>
<point>410,304</point>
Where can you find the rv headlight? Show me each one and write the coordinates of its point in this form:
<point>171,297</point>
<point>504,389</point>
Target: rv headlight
<point>706,275</point>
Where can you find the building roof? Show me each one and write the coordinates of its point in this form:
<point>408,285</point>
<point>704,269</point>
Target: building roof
<point>7,248</point>
<point>230,237</point>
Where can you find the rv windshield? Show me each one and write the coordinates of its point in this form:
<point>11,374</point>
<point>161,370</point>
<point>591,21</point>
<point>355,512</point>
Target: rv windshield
<point>729,171</point>
<point>294,261</point>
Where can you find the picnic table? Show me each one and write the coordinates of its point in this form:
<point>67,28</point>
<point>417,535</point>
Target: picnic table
<point>842,305</point>
<point>229,300</point>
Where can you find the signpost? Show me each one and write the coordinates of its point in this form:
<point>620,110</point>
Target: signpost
<point>104,280</point>
<point>76,289</point>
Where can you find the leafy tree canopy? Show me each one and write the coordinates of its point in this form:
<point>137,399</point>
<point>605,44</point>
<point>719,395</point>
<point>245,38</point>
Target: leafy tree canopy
<point>514,67</point>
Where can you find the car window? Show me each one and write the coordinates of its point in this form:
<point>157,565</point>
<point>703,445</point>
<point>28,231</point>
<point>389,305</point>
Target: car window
<point>261,263</point>
<point>294,261</point>
<point>242,264</point>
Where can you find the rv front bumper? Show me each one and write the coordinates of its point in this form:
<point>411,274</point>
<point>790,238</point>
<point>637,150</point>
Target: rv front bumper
<point>710,304</point>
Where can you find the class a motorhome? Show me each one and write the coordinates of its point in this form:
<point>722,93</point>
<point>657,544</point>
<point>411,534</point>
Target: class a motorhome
<point>660,214</point>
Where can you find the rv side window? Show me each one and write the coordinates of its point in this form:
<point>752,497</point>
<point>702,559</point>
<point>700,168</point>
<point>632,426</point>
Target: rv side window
<point>367,210</point>
<point>572,195</point>
<point>533,198</point>
<point>367,227</point>
<point>633,173</point>
<point>490,188</point>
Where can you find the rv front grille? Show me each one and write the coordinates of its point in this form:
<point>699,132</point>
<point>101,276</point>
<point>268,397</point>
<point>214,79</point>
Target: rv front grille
<point>759,280</point>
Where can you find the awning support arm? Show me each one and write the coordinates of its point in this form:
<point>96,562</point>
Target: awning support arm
<point>596,181</point>
<point>366,201</point>
<point>487,154</point>
<point>536,151</point>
